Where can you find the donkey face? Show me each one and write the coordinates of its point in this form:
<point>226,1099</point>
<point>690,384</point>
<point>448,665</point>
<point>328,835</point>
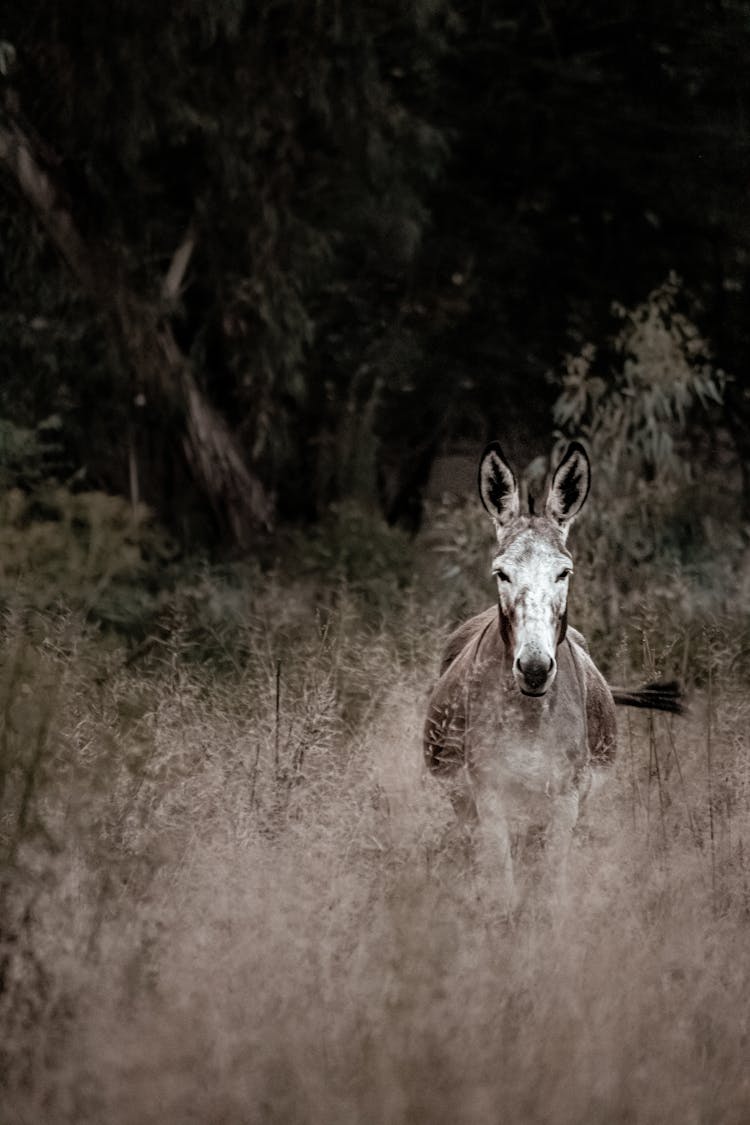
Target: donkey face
<point>533,566</point>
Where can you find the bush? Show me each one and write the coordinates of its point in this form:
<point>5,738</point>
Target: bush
<point>87,548</point>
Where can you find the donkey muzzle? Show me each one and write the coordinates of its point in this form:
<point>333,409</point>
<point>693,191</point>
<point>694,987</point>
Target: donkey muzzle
<point>534,674</point>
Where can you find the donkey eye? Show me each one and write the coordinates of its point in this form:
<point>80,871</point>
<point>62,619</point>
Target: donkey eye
<point>502,575</point>
<point>564,574</point>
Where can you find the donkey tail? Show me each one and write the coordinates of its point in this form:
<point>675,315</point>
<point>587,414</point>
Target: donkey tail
<point>656,697</point>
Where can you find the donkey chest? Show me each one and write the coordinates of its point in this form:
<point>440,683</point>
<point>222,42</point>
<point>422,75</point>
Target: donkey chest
<point>527,747</point>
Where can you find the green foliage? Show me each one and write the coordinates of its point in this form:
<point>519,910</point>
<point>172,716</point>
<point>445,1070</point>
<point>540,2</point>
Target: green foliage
<point>636,403</point>
<point>20,449</point>
<point>636,411</point>
<point>80,546</point>
<point>60,541</point>
<point>29,457</point>
<point>354,546</point>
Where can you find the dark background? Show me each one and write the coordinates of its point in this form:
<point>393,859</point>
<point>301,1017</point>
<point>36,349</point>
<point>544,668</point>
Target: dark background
<point>387,224</point>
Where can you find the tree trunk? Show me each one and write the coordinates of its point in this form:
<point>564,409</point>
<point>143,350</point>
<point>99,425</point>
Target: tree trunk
<point>240,501</point>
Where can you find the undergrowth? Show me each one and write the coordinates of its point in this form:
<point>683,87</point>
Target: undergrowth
<point>230,894</point>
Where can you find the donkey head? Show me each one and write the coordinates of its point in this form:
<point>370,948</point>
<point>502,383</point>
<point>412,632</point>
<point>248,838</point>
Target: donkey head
<point>532,567</point>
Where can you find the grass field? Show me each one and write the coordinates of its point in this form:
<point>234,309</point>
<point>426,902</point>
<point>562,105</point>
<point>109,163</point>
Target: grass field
<point>230,894</point>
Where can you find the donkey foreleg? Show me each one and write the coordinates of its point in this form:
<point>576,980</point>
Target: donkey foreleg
<point>494,851</point>
<point>558,840</point>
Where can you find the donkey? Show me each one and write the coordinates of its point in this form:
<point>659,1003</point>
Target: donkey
<point>520,718</point>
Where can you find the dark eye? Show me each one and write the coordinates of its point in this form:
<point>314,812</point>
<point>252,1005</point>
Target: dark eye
<point>564,574</point>
<point>502,576</point>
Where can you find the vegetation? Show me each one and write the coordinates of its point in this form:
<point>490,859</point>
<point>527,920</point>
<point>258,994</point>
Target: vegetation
<point>269,262</point>
<point>230,893</point>
<point>270,256</point>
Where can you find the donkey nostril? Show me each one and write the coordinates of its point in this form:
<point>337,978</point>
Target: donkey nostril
<point>535,667</point>
<point>535,671</point>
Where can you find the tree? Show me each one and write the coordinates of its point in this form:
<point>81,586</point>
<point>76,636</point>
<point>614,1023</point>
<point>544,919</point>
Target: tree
<point>273,135</point>
<point>387,223</point>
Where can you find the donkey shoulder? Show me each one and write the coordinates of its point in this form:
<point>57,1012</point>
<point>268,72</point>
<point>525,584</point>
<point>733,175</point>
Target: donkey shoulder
<point>464,635</point>
<point>445,727</point>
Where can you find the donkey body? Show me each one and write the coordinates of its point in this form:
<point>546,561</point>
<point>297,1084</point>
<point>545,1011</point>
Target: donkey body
<point>521,718</point>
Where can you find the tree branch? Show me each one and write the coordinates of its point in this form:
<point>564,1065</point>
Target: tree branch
<point>17,154</point>
<point>173,278</point>
<point>240,500</point>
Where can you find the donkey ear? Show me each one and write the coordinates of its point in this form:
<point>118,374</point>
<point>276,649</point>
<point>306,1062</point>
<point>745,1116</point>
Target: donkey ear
<point>497,485</point>
<point>570,486</point>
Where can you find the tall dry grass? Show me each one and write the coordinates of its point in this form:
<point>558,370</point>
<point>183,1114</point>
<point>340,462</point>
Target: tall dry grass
<point>231,895</point>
